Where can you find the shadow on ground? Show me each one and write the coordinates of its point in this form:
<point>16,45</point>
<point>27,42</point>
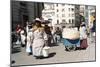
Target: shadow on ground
<point>53,44</point>
<point>50,55</point>
<point>16,50</point>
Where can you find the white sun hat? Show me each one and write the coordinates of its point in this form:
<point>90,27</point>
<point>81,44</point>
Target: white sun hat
<point>37,19</point>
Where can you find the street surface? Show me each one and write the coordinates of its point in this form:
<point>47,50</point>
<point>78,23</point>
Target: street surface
<point>57,55</point>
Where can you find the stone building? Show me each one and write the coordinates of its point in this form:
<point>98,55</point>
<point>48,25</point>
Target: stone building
<point>23,11</point>
<point>61,14</point>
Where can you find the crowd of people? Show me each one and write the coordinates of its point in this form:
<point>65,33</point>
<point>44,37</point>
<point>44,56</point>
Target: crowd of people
<point>35,36</point>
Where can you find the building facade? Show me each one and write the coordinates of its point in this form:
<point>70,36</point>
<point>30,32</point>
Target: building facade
<point>66,14</point>
<point>22,11</point>
<point>88,12</point>
<point>59,13</point>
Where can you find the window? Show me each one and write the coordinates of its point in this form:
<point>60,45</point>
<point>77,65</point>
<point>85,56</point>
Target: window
<point>57,10</point>
<point>57,5</point>
<point>63,10</point>
<point>72,9</point>
<point>69,21</point>
<point>57,21</point>
<point>63,20</point>
<point>63,15</point>
<point>72,20</point>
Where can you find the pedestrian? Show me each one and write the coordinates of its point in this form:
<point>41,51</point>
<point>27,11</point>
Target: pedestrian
<point>29,41</point>
<point>27,28</point>
<point>93,30</point>
<point>52,33</point>
<point>58,35</point>
<point>49,35</point>
<point>83,36</point>
<point>23,37</point>
<point>18,30</point>
<point>80,18</point>
<point>39,39</point>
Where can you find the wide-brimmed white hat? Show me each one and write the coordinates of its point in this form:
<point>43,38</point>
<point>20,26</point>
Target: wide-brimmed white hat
<point>37,19</point>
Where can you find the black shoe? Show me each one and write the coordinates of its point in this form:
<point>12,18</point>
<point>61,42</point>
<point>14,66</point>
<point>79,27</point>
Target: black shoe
<point>29,54</point>
<point>13,62</point>
<point>39,57</point>
<point>23,45</point>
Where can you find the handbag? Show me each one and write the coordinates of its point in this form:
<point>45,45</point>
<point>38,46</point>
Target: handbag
<point>83,43</point>
<point>45,51</point>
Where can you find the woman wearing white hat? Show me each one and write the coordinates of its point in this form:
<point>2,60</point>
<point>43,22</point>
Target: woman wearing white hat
<point>39,39</point>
